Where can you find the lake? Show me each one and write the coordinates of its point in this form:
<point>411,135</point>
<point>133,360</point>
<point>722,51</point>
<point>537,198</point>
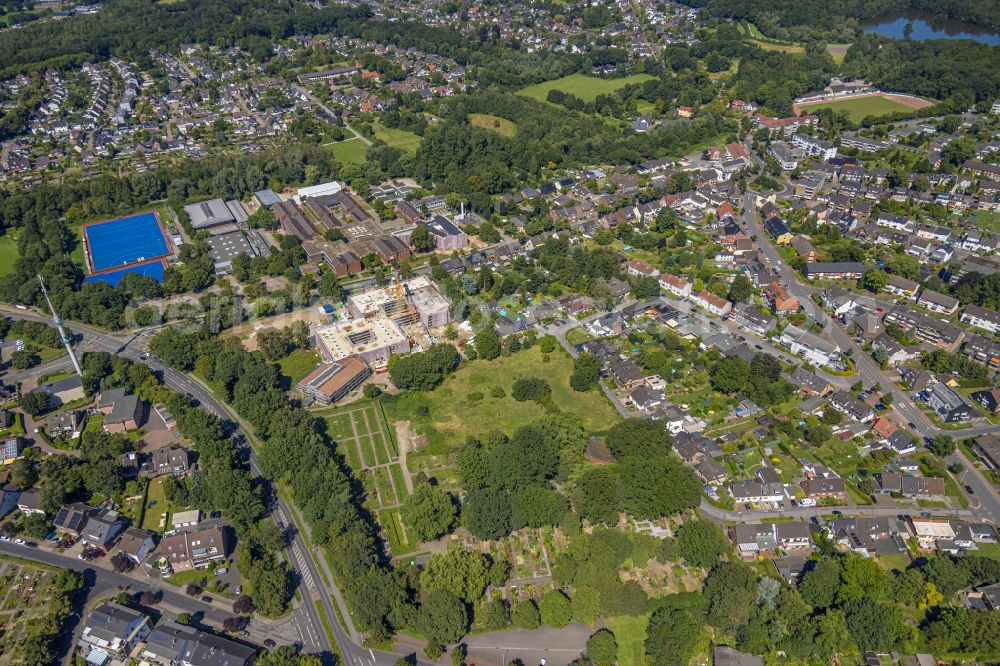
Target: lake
<point>928,26</point>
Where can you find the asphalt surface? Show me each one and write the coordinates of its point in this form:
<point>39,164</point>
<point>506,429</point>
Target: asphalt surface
<point>869,372</point>
<point>301,559</point>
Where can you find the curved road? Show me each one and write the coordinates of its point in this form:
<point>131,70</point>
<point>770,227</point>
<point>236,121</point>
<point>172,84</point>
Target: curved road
<point>301,559</point>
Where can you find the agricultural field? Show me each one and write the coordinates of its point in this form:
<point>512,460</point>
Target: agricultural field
<point>349,151</point>
<point>465,404</point>
<point>501,126</point>
<point>860,107</point>
<point>585,87</point>
<point>364,439</point>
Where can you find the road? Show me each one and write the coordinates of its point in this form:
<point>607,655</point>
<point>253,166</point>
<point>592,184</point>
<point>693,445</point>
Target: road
<point>301,559</point>
<point>870,373</point>
<point>318,102</point>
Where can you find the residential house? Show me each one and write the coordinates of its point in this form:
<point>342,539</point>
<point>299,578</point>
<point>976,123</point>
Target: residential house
<point>28,502</point>
<point>11,448</point>
<point>925,328</point>
<point>987,449</point>
<point>810,346</point>
<point>72,518</point>
<point>825,488</point>
<point>756,491</point>
<point>947,403</point>
<point>122,410</point>
<point>939,303</point>
<point>810,383</point>
<point>136,544</point>
<point>855,409</point>
<point>641,269</point>
<point>68,423</point>
<point>778,231</point>
<point>166,643</point>
<point>447,237</point>
<point>101,528</point>
<point>988,320</point>
<point>891,352</point>
<point>211,650</point>
<point>166,460</point>
<point>10,495</point>
<point>752,318</point>
<point>62,391</point>
<point>804,248</point>
<point>679,287</point>
<point>111,632</point>
<point>921,487</point>
<point>717,305</point>
<point>835,270</point>
<point>989,399</point>
<point>711,472</point>
<point>779,299</point>
<point>196,549</point>
<point>765,540</point>
<point>902,287</point>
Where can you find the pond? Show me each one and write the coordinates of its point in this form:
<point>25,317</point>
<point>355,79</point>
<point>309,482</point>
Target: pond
<point>929,26</point>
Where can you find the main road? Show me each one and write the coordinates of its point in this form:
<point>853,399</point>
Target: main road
<point>302,559</point>
<point>870,373</point>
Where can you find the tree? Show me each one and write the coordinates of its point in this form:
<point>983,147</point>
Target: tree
<point>22,360</point>
<point>122,562</point>
<point>460,572</point>
<point>235,624</point>
<point>183,618</point>
<point>598,495</point>
<point>671,636</point>
<point>701,543</point>
<point>243,606</point>
<point>729,375</point>
<point>820,583</point>
<point>22,473</point>
<point>329,286</point>
<point>525,615</point>
<point>586,372</point>
<point>37,525</point>
<point>555,609</point>
<point>496,614</point>
<point>371,391</point>
<point>443,616</point>
<point>741,289</point>
<point>645,288</point>
<point>586,605</point>
<point>874,280</point>
<point>488,343</point>
<point>35,403</point>
<point>730,591</point>
<point>424,371</point>
<point>149,598</point>
<point>530,388</point>
<point>657,487</point>
<point>428,513</point>
<point>421,239</point>
<point>487,513</point>
<point>273,343</point>
<point>942,446</point>
<point>644,438</point>
<point>602,648</point>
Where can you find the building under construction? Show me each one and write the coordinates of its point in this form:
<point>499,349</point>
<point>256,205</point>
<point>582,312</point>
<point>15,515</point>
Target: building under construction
<point>416,301</point>
<point>372,339</point>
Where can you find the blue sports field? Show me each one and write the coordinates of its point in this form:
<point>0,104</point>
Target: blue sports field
<point>153,269</point>
<point>126,240</point>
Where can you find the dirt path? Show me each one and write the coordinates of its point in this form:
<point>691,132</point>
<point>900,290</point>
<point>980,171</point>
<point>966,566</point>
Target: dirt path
<point>407,440</point>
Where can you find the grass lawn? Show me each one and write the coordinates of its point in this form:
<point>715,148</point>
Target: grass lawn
<point>452,417</point>
<point>860,107</point>
<point>775,46</point>
<point>585,87</point>
<point>837,52</point>
<point>630,634</point>
<point>349,151</point>
<point>8,254</point>
<point>897,561</point>
<point>298,364</point>
<point>401,139</point>
<point>151,520</point>
<point>986,220</point>
<point>579,335</point>
<point>501,126</point>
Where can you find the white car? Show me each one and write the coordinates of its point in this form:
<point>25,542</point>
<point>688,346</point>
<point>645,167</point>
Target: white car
<point>4,538</point>
<point>19,542</point>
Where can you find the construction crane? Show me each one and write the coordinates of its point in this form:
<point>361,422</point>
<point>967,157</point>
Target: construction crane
<point>58,322</point>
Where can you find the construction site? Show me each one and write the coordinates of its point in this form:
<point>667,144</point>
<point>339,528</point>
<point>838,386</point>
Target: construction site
<point>388,320</point>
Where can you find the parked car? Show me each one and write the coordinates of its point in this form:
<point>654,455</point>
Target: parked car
<point>969,490</point>
<point>4,538</point>
<point>269,643</point>
<point>207,599</point>
<point>19,541</point>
